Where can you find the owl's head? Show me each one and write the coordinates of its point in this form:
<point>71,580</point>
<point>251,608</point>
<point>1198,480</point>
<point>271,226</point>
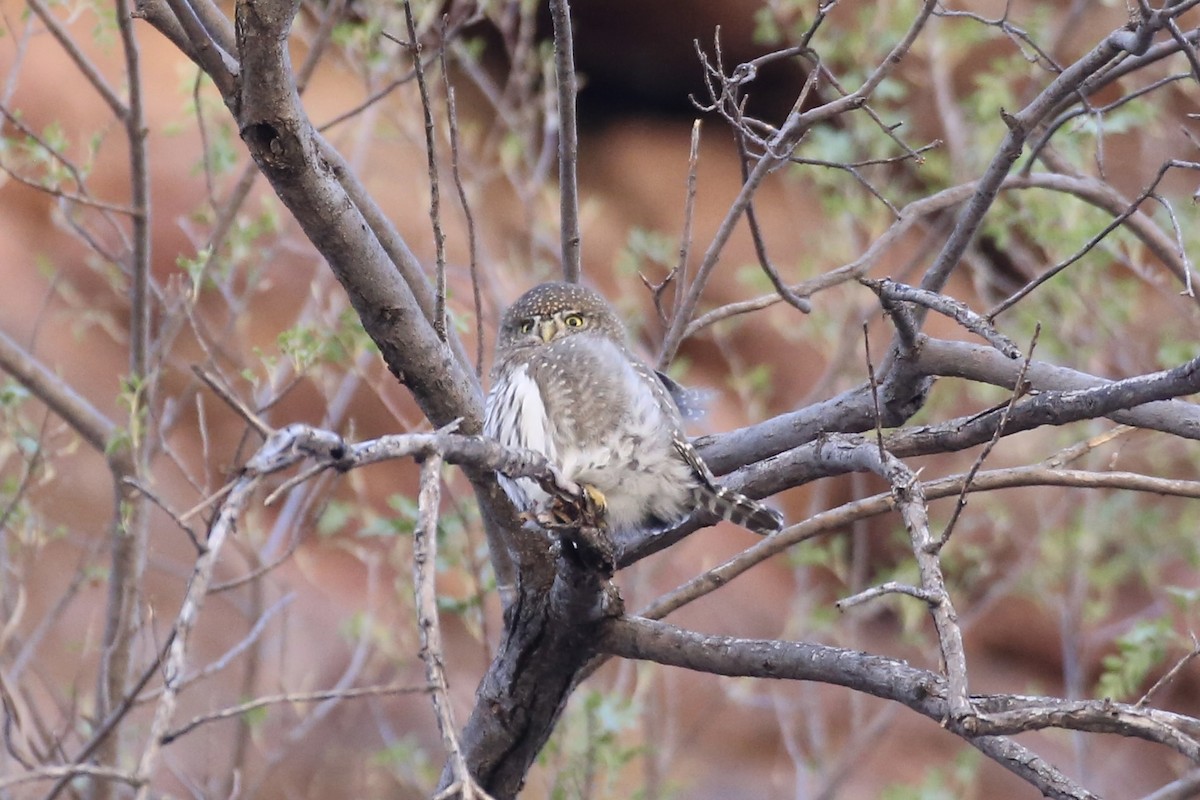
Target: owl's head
<point>552,311</point>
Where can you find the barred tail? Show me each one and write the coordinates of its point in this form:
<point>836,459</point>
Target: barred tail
<point>739,509</point>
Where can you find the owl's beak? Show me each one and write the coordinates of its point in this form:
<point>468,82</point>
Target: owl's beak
<point>548,329</point>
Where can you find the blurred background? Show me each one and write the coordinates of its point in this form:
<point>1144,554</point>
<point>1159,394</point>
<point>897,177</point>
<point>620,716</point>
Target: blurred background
<point>1060,591</point>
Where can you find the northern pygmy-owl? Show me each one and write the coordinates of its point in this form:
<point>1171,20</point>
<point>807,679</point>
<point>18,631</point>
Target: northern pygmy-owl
<point>566,384</point>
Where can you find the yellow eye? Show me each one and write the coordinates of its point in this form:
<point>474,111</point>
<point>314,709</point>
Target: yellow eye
<point>573,320</point>
<point>527,326</point>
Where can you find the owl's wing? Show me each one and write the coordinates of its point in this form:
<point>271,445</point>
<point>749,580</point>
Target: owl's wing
<point>692,403</point>
<point>723,501</point>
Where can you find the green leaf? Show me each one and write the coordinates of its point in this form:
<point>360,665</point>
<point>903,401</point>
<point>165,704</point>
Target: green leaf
<point>336,515</point>
<point>1139,650</point>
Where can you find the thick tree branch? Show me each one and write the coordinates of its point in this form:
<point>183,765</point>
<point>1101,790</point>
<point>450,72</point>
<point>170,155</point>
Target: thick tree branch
<point>382,279</point>
<point>820,459</point>
<point>919,690</point>
<point>337,216</point>
<point>549,637</point>
<point>853,412</point>
<point>983,364</point>
<point>826,456</point>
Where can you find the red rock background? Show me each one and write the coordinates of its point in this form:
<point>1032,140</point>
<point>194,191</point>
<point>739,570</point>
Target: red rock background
<point>346,612</point>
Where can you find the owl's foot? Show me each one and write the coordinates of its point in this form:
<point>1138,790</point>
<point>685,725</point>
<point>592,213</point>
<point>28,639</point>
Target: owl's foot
<point>584,507</point>
<point>594,501</point>
<point>590,544</point>
<point>579,522</point>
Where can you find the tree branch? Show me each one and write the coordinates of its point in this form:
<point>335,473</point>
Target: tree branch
<point>85,419</point>
<point>778,151</point>
<point>568,139</point>
<point>853,412</point>
<point>921,691</point>
<point>382,278</point>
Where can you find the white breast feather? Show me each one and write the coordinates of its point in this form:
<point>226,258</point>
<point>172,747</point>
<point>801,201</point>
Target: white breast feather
<point>519,420</point>
<point>636,467</point>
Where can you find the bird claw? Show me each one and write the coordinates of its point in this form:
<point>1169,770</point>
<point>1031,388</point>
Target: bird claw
<point>585,506</point>
<point>593,499</point>
<point>581,522</point>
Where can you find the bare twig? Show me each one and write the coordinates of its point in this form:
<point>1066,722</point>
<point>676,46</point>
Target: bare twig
<point>226,394</point>
<point>1085,107</point>
<point>891,587</point>
<point>947,306</point>
<point>81,196</point>
<point>456,172</point>
<point>1171,674</point>
<point>689,214</point>
<point>1018,390</point>
<point>291,699</point>
<point>139,170</point>
<point>435,195</point>
<point>678,274</point>
<point>1129,211</point>
<point>105,730</point>
<point>319,42</point>
<point>1180,248</point>
<point>67,772</point>
<point>779,150</point>
<point>760,246</point>
<point>150,495</point>
<point>432,652</point>
<point>568,139</point>
<point>874,386</point>
<point>110,97</point>
<point>256,630</point>
<point>270,458</point>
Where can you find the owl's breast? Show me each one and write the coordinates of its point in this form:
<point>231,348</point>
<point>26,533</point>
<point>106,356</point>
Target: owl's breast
<point>612,428</point>
<point>603,419</point>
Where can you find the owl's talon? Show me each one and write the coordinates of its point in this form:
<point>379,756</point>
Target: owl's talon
<point>595,497</point>
<point>593,508</point>
<point>557,515</point>
<point>584,506</point>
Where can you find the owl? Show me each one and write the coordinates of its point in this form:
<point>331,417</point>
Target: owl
<point>566,384</point>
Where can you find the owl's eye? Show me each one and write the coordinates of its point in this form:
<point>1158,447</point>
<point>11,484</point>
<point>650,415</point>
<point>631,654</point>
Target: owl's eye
<point>573,320</point>
<point>527,326</point>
